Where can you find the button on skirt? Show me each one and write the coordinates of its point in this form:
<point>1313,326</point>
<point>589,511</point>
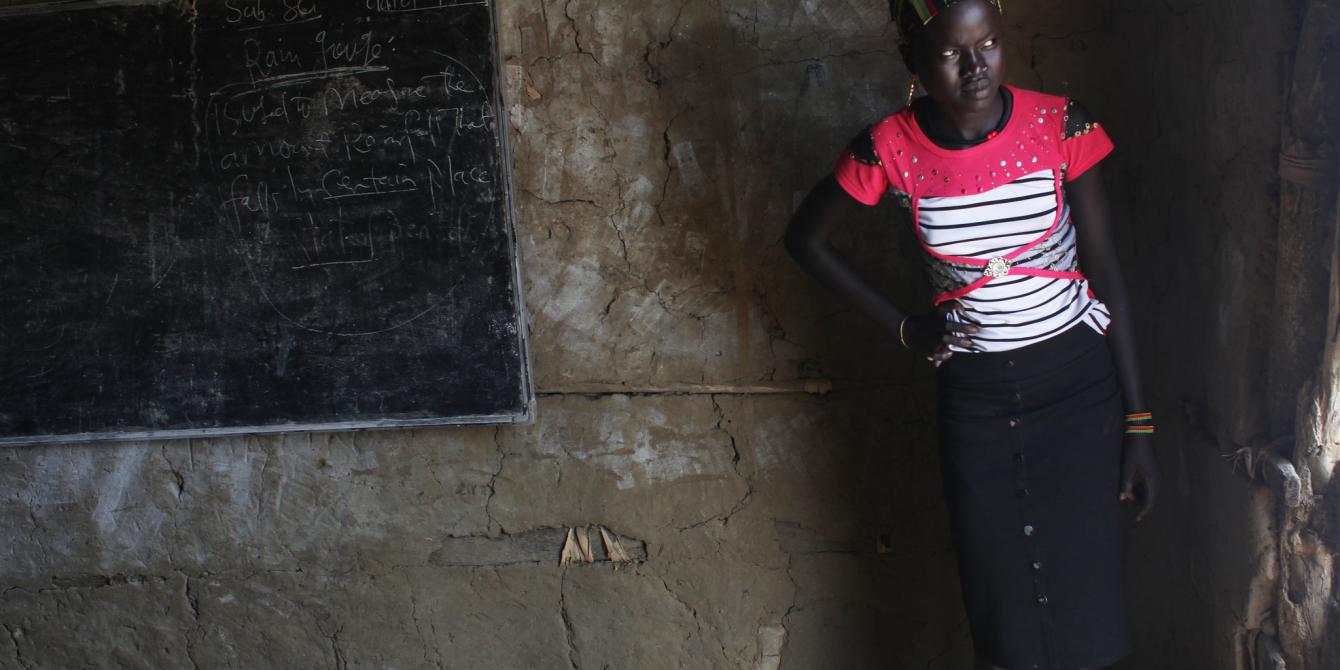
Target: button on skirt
<point>1030,444</point>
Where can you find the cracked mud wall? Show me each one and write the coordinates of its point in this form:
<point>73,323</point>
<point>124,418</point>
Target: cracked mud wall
<point>1234,310</point>
<point>659,149</point>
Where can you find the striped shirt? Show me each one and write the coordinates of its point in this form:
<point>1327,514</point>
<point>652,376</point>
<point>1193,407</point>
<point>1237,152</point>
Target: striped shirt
<point>1012,311</point>
<point>992,218</point>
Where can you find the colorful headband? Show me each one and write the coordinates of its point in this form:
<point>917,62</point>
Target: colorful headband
<point>928,9</point>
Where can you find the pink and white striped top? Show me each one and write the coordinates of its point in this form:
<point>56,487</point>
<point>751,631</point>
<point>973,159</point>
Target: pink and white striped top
<point>992,219</point>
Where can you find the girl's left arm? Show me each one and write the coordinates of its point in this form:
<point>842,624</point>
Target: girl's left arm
<point>1098,258</point>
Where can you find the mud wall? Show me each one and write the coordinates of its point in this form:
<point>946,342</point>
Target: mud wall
<point>763,454</point>
<point>1197,186</point>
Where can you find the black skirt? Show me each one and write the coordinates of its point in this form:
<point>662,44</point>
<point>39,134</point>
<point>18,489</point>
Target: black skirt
<point>1031,456</point>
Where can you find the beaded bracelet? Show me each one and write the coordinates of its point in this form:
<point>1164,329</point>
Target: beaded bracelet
<point>1140,423</point>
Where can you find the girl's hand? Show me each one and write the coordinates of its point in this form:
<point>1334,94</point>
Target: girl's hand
<point>1139,474</point>
<point>931,334</point>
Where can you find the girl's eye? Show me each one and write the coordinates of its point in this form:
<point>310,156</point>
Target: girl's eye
<point>989,43</point>
<point>949,53</point>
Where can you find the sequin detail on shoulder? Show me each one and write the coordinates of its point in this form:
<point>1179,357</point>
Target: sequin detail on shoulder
<point>1078,121</point>
<point>862,149</point>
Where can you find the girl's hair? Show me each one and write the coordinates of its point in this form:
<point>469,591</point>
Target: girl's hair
<point>913,15</point>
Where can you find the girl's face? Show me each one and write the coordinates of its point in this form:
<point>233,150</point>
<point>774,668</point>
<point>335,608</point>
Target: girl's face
<point>959,56</point>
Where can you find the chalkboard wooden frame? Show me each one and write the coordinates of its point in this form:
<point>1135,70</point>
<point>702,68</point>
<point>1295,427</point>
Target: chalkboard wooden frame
<point>521,411</point>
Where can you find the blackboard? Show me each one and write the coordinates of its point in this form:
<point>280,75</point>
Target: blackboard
<point>243,216</point>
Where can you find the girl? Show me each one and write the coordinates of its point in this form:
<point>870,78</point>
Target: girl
<point>1035,351</point>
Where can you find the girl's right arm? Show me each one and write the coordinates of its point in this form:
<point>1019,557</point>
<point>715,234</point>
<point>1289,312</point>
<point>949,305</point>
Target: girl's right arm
<point>808,236</point>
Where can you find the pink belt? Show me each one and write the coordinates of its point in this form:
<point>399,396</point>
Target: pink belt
<point>1000,266</point>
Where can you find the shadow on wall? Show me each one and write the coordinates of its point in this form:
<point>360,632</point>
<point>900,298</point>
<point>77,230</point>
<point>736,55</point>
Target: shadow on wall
<point>1235,263</point>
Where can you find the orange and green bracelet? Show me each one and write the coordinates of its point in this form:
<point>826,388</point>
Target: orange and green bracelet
<point>1140,423</point>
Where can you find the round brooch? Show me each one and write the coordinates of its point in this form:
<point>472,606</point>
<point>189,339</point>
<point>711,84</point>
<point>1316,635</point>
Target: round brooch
<point>998,267</point>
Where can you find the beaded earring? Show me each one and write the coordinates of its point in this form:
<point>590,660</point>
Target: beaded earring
<point>912,90</point>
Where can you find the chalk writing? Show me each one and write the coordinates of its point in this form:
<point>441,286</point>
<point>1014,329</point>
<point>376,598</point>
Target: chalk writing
<point>242,12</point>
<point>249,15</point>
<point>263,61</point>
<point>401,6</point>
<point>291,214</point>
<point>362,51</point>
<point>339,155</point>
<point>341,100</point>
<point>299,10</point>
